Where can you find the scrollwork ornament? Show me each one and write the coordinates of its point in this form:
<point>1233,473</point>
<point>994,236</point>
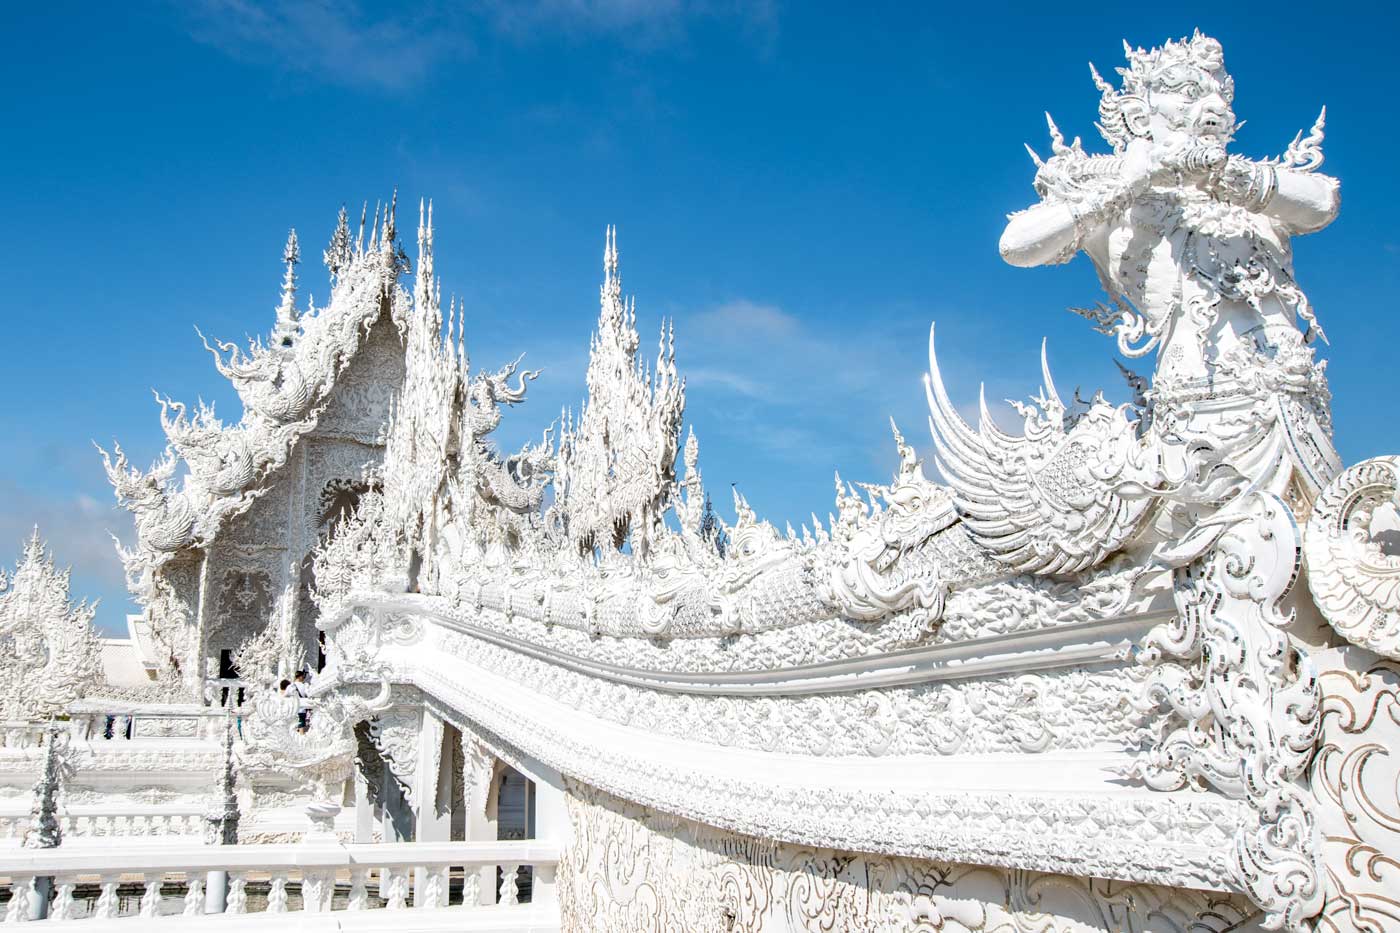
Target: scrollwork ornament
<point>1242,704</point>
<point>1355,783</point>
<point>635,869</point>
<point>403,628</point>
<point>1353,574</point>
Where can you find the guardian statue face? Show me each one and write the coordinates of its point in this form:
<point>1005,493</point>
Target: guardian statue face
<point>1177,95</point>
<point>1188,104</point>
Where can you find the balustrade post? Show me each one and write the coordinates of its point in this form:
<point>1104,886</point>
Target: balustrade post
<point>63,903</point>
<point>277,893</point>
<point>317,889</point>
<point>237,896</point>
<point>359,891</point>
<point>150,898</point>
<point>543,885</point>
<point>431,885</point>
<point>396,897</point>
<point>510,885</point>
<point>107,906</point>
<point>194,896</point>
<point>471,887</point>
<point>21,893</point>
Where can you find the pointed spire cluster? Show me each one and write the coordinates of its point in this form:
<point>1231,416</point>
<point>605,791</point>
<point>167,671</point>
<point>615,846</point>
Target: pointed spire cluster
<point>424,431</point>
<point>49,653</point>
<point>615,472</point>
<point>338,254</point>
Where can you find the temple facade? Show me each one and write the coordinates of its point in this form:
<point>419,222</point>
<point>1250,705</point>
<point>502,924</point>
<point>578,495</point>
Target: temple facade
<point>1117,667</point>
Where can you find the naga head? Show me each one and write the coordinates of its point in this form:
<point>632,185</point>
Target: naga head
<point>489,391</point>
<point>1177,94</point>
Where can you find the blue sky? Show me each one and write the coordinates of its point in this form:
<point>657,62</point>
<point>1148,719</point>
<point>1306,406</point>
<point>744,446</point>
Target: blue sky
<point>802,187</point>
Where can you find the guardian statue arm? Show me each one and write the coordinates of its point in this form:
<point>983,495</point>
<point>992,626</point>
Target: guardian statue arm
<point>1305,202</point>
<point>1080,195</point>
<point>1075,203</point>
<point>1040,235</point>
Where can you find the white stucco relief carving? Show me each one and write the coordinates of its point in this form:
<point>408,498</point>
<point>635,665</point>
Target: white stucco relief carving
<point>1098,604</point>
<point>634,869</point>
<point>1355,782</point>
<point>1353,555</point>
<point>49,653</point>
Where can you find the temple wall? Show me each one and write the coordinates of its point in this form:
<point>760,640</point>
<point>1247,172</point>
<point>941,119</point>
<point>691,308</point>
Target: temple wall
<point>266,548</point>
<point>630,868</point>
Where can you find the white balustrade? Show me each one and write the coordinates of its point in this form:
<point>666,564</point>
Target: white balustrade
<point>228,693</point>
<point>22,734</point>
<point>317,869</point>
<point>143,822</point>
<point>111,722</point>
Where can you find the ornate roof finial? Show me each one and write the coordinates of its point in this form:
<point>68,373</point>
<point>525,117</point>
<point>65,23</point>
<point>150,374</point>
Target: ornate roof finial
<point>391,230</point>
<point>692,452</point>
<point>425,250</point>
<point>338,254</point>
<point>612,281</point>
<point>285,333</point>
<point>34,547</point>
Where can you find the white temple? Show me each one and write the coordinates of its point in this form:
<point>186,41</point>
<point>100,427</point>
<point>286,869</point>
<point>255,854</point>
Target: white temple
<point>1118,668</point>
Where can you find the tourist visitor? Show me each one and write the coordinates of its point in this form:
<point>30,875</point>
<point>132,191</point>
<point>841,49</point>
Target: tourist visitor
<point>302,688</point>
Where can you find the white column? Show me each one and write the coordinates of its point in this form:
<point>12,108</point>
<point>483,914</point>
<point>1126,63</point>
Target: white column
<point>433,782</point>
<point>429,824</point>
<point>396,812</point>
<point>479,768</point>
<point>551,819</point>
<point>216,892</point>
<point>364,809</point>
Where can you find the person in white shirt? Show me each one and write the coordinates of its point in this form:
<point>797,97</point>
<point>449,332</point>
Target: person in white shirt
<point>302,687</point>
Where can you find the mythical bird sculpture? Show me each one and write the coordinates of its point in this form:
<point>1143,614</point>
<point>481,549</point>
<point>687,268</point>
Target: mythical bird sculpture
<point>1047,501</point>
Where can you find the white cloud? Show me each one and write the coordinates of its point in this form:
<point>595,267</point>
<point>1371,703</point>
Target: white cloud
<point>394,48</point>
<point>76,528</point>
<point>725,379</point>
<point>796,391</point>
<point>745,321</point>
<point>638,22</point>
<point>344,43</point>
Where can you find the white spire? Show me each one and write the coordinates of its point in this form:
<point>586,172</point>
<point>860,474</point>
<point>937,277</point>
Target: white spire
<point>338,254</point>
<point>286,330</point>
<point>612,281</point>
